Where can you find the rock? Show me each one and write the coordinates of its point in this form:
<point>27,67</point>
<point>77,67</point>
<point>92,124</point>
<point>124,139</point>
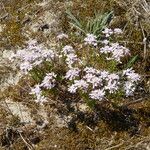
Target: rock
<point>18,109</point>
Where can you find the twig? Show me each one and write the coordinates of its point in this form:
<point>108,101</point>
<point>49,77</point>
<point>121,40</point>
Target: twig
<point>146,7</point>
<point>144,40</point>
<point>132,42</point>
<point>136,101</point>
<point>116,146</point>
<point>89,129</point>
<point>30,147</point>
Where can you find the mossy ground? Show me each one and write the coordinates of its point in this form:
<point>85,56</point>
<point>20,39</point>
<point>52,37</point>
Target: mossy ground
<point>105,128</point>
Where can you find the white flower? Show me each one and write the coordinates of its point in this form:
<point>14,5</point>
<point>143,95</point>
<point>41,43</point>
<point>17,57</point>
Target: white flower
<point>113,83</point>
<point>106,42</point>
<point>117,31</point>
<point>97,94</point>
<point>34,54</point>
<point>36,90</point>
<point>49,80</point>
<point>132,80</point>
<point>104,74</point>
<point>91,70</point>
<point>68,49</point>
<point>91,39</point>
<point>131,75</point>
<point>134,77</point>
<point>117,51</point>
<point>62,36</point>
<point>25,67</point>
<point>106,49</point>
<point>71,58</point>
<point>72,73</point>
<point>112,77</point>
<point>129,88</point>
<point>38,93</point>
<point>73,88</point>
<point>127,71</point>
<point>94,80</point>
<point>78,84</point>
<point>40,99</point>
<point>81,84</point>
<point>112,86</point>
<point>47,54</point>
<point>107,32</point>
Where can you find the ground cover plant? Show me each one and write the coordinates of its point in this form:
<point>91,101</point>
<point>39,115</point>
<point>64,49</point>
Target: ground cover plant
<point>90,78</point>
<point>79,74</point>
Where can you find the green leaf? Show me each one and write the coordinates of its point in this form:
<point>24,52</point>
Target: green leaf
<point>132,61</point>
<point>74,20</point>
<point>94,25</point>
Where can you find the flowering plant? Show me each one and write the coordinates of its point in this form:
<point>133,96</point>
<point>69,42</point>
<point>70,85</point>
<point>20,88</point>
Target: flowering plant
<point>88,69</point>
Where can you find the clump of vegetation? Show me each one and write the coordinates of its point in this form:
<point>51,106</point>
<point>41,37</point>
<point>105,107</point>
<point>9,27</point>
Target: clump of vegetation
<point>85,71</point>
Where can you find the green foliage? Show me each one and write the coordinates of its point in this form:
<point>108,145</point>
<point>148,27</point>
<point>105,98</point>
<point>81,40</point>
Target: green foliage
<point>94,25</point>
<point>90,102</point>
<point>132,61</point>
<point>75,22</point>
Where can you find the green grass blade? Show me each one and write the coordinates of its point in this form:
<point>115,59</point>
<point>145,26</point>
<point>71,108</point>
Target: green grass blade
<point>132,61</point>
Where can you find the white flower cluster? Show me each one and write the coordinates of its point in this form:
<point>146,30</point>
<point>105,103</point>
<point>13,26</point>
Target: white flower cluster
<point>49,80</point>
<point>48,83</point>
<point>70,55</point>
<point>92,77</point>
<point>97,94</point>
<point>68,50</point>
<point>78,84</point>
<point>118,31</point>
<point>108,32</point>
<point>114,50</point>
<point>38,93</point>
<point>117,51</point>
<point>132,80</point>
<point>98,83</point>
<point>72,73</point>
<point>34,54</point>
<point>91,39</point>
<point>112,83</point>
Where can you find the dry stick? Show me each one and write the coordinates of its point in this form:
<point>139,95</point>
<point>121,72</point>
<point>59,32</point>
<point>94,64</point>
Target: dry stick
<point>30,147</point>
<point>3,7</point>
<point>134,102</point>
<point>136,11</point>
<point>146,7</point>
<point>131,42</point>
<point>143,140</point>
<point>21,112</point>
<point>114,147</point>
<point>144,40</point>
<point>6,13</point>
<point>133,5</point>
<point>89,129</point>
